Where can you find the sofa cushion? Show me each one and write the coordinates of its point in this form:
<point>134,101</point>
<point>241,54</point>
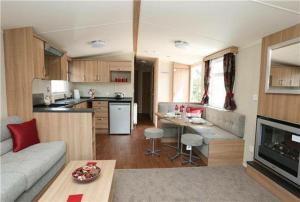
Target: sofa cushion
<point>24,134</point>
<point>230,121</point>
<point>5,136</point>
<point>210,133</point>
<point>13,184</point>
<point>34,161</point>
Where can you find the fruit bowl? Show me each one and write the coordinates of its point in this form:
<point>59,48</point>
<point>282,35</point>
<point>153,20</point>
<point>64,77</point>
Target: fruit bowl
<point>87,173</point>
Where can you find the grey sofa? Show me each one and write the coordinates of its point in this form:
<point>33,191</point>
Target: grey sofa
<point>226,133</point>
<point>25,173</point>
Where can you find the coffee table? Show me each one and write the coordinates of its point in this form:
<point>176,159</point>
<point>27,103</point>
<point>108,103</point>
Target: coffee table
<point>64,185</point>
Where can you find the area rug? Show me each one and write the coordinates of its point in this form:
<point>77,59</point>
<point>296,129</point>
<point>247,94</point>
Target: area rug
<point>201,184</point>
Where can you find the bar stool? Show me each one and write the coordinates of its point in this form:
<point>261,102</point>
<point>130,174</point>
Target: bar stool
<point>153,134</point>
<point>191,140</point>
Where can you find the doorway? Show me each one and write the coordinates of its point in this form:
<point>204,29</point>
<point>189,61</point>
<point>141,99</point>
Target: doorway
<point>143,89</point>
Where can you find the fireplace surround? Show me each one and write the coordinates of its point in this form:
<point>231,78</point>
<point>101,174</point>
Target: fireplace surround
<point>277,146</point>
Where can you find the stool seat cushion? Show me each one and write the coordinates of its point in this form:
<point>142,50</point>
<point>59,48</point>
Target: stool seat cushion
<point>191,139</point>
<point>154,133</point>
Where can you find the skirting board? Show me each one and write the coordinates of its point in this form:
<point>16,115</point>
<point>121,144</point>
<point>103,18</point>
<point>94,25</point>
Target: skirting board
<point>272,186</point>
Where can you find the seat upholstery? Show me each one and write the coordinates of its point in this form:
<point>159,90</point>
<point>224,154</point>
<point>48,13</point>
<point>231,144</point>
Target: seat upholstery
<point>227,120</point>
<point>34,161</point>
<point>15,185</point>
<point>154,133</point>
<point>210,133</point>
<point>191,139</point>
<point>5,137</point>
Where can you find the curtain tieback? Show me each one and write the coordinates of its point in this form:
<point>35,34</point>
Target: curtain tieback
<point>230,94</point>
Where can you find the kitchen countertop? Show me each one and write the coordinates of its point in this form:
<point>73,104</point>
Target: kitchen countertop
<point>69,103</point>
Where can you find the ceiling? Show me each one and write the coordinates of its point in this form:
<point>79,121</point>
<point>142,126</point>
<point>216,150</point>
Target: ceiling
<point>207,26</point>
<point>72,24</point>
<point>289,55</point>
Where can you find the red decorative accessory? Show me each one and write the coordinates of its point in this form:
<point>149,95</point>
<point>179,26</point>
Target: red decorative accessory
<point>181,108</point>
<point>91,163</point>
<point>176,108</point>
<point>188,110</point>
<point>24,135</point>
<point>75,198</point>
<point>87,173</point>
<point>196,110</point>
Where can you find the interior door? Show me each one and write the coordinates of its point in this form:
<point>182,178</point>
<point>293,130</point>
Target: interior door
<point>181,83</point>
<point>146,96</point>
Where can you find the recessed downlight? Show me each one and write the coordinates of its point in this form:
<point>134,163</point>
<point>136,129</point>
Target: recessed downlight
<point>97,43</point>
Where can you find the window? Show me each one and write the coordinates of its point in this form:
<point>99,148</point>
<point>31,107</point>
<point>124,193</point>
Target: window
<point>195,95</point>
<point>216,91</point>
<point>59,86</point>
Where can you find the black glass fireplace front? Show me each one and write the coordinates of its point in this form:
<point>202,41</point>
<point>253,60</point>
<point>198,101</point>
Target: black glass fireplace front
<point>278,147</point>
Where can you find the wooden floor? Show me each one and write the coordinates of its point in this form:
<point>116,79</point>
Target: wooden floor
<point>128,150</point>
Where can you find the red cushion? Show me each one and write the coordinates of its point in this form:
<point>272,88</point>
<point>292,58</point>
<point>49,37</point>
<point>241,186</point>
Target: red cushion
<point>24,134</point>
<point>196,110</point>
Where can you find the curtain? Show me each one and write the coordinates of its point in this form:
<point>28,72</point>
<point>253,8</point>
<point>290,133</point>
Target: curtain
<point>205,97</point>
<point>229,76</point>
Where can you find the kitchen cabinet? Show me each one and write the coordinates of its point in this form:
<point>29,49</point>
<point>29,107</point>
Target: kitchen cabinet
<point>64,67</point>
<point>285,76</point>
<point>91,71</point>
<point>81,105</point>
<point>103,71</point>
<point>39,58</point>
<point>56,67</point>
<point>101,116</point>
<point>120,66</point>
<point>77,71</point>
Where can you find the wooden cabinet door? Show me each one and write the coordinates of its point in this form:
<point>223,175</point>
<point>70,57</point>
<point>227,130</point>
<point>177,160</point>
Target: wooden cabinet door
<point>77,71</point>
<point>295,77</point>
<point>276,79</point>
<point>64,67</point>
<point>53,67</point>
<point>103,71</point>
<point>39,58</point>
<point>120,66</point>
<point>91,71</point>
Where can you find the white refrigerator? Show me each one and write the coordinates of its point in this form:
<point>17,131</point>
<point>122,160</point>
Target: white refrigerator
<point>119,118</point>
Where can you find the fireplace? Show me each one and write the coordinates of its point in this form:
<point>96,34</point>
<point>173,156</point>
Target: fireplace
<point>277,146</point>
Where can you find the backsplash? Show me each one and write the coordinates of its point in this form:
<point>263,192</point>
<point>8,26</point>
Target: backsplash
<point>104,89</point>
<point>40,86</point>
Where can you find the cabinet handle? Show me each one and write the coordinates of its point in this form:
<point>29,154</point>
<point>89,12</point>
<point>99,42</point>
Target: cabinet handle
<point>84,77</point>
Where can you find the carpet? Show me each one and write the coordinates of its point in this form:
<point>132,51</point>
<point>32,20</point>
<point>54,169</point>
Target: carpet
<point>207,184</point>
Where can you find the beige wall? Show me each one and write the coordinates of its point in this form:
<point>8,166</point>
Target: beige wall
<point>246,91</point>
<point>3,106</point>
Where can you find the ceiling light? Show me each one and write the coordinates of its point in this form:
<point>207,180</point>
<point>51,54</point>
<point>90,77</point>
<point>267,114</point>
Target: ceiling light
<point>97,43</point>
<point>181,44</point>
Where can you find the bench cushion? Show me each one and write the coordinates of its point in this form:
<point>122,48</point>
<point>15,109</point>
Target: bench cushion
<point>13,184</point>
<point>5,136</point>
<point>210,133</point>
<point>34,161</point>
<point>227,120</point>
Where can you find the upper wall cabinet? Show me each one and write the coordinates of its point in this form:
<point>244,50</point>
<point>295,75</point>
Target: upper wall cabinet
<point>97,71</point>
<point>39,58</point>
<point>120,66</point>
<point>47,66</point>
<point>56,67</point>
<point>77,71</point>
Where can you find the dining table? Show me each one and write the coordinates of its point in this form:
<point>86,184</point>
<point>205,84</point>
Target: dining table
<point>181,121</point>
